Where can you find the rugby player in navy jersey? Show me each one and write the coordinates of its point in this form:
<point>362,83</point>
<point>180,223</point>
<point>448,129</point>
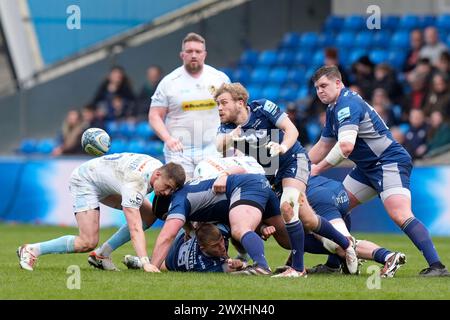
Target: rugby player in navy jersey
<point>261,130</point>
<point>328,198</point>
<point>247,200</point>
<point>355,131</point>
<point>204,250</point>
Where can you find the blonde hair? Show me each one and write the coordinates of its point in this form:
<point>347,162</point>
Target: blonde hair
<point>192,36</point>
<point>236,90</point>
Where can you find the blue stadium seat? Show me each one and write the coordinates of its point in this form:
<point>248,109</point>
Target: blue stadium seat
<point>396,58</point>
<point>288,93</point>
<point>154,148</point>
<point>309,40</point>
<point>345,40</point>
<point>364,39</point>
<point>381,39</point>
<point>318,58</point>
<point>378,56</point>
<point>45,146</point>
<point>313,130</point>
<point>259,75</point>
<point>355,55</point>
<point>112,128</point>
<point>326,40</point>
<point>249,57</point>
<point>354,23</point>
<point>302,93</point>
<point>267,58</point>
<point>136,146</point>
<point>28,146</point>
<point>127,129</point>
<point>291,40</point>
<point>118,145</point>
<point>227,71</point>
<point>333,24</point>
<point>400,40</point>
<point>242,75</point>
<point>427,21</point>
<point>285,58</point>
<point>255,91</point>
<point>296,76</point>
<point>303,57</point>
<point>389,22</point>
<point>278,75</point>
<point>143,130</point>
<point>271,92</point>
<point>409,22</point>
<point>443,22</point>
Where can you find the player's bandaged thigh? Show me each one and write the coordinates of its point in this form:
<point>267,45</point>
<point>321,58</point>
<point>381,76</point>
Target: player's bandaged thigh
<point>303,169</point>
<point>361,191</point>
<point>395,191</point>
<point>290,195</point>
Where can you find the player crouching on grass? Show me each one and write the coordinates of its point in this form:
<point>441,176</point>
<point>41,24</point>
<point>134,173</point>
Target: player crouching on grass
<point>119,181</point>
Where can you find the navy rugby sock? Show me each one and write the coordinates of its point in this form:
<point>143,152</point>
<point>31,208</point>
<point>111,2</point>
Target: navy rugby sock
<point>297,240</point>
<point>254,245</point>
<point>326,229</point>
<point>313,245</point>
<point>380,254</point>
<point>420,236</point>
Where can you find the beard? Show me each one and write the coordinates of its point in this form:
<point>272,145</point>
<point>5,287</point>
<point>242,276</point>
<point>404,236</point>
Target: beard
<point>194,67</point>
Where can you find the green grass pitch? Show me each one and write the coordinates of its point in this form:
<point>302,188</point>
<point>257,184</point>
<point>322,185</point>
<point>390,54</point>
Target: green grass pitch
<point>49,280</point>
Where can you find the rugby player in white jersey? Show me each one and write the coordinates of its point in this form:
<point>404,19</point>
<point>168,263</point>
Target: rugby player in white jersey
<point>119,181</point>
<point>183,112</point>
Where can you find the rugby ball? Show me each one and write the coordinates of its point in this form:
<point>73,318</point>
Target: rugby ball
<point>95,141</point>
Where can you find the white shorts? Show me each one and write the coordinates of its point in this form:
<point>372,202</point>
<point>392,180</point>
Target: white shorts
<point>85,195</point>
<point>191,157</point>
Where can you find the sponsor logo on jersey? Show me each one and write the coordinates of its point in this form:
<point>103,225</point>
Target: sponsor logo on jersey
<point>212,90</point>
<point>198,105</point>
<point>138,200</point>
<point>343,114</point>
<point>270,107</point>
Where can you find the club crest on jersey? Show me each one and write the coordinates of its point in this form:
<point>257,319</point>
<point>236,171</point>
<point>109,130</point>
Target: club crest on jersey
<point>212,90</point>
<point>343,114</point>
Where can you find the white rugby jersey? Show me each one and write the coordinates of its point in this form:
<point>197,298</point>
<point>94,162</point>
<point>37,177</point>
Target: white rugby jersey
<point>211,167</point>
<point>126,174</point>
<point>192,114</point>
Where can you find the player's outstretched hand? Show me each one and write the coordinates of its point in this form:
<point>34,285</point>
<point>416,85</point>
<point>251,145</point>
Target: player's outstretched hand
<point>276,148</point>
<point>148,267</point>
<point>314,170</point>
<point>174,144</point>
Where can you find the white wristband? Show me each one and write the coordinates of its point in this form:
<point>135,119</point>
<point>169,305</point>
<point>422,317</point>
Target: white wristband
<point>335,156</point>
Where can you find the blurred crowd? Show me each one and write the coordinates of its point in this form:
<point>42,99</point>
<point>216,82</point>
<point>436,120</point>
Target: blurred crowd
<point>413,99</point>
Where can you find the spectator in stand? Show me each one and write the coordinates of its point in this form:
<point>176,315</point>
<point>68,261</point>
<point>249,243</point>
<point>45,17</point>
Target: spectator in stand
<point>116,84</point>
<point>443,65</point>
<point>439,134</point>
<point>363,75</point>
<point>438,98</point>
<point>383,106</point>
<point>154,76</point>
<point>419,89</point>
<point>70,136</point>
<point>332,59</point>
<point>90,119</point>
<point>433,48</point>
<point>386,78</point>
<point>416,136</point>
<point>416,44</point>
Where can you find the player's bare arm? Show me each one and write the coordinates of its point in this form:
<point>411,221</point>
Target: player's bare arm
<point>156,117</point>
<point>164,240</point>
